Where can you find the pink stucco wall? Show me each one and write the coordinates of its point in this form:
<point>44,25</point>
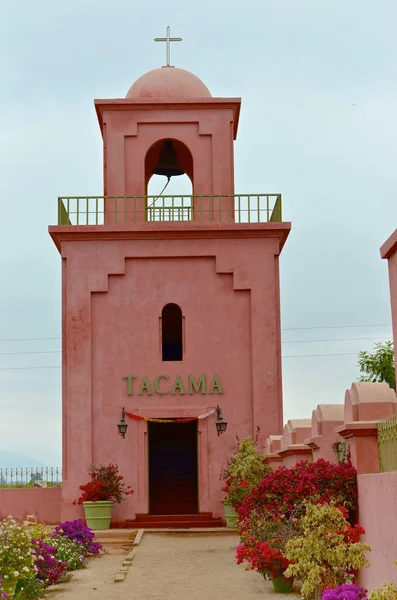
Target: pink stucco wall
<point>389,251</point>
<point>20,502</point>
<point>113,294</point>
<point>378,515</point>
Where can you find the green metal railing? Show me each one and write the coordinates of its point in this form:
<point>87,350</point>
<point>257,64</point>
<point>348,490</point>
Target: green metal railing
<point>30,477</point>
<point>118,210</point>
<point>387,444</point>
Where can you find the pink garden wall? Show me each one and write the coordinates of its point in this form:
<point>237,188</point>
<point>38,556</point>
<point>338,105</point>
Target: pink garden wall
<point>389,252</point>
<point>378,516</point>
<point>20,502</point>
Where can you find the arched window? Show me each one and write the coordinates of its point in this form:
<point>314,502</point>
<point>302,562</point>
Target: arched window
<point>171,332</point>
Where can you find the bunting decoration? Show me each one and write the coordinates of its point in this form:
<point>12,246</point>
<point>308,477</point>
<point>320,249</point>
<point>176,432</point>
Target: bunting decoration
<point>182,420</point>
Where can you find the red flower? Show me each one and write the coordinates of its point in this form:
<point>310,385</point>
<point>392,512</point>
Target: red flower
<point>105,484</point>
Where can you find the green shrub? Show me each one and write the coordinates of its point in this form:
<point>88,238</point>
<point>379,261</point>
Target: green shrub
<point>30,589</point>
<point>385,591</point>
<point>328,552</point>
<point>244,472</point>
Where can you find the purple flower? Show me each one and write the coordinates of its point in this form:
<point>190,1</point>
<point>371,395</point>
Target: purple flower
<point>49,568</point>
<point>347,591</point>
<point>76,530</point>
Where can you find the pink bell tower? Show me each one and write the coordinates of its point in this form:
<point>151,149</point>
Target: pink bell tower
<point>170,305</point>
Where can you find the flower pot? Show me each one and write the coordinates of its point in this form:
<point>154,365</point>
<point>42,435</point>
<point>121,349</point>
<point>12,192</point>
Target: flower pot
<point>98,514</point>
<point>9,586</point>
<point>230,515</point>
<point>281,585</point>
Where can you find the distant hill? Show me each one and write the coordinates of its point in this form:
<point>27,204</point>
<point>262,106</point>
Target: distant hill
<point>10,460</point>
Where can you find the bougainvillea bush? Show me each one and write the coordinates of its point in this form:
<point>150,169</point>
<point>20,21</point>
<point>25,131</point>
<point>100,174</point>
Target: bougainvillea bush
<point>77,531</point>
<point>244,471</point>
<point>347,591</point>
<point>262,558</point>
<point>69,551</point>
<point>328,552</point>
<point>284,490</point>
<point>106,484</point>
<point>50,568</point>
<point>263,541</point>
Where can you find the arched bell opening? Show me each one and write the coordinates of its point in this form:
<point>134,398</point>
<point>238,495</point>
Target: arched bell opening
<point>169,181</point>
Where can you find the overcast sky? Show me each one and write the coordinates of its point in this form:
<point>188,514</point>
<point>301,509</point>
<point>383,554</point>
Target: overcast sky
<point>318,124</point>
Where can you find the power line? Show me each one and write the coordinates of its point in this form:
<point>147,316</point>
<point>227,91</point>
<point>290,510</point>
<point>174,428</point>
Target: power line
<point>282,329</point>
<point>333,327</point>
<point>287,342</point>
<point>310,355</point>
<point>335,340</point>
<point>284,356</point>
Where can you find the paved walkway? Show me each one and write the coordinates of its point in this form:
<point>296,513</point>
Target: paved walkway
<point>171,567</point>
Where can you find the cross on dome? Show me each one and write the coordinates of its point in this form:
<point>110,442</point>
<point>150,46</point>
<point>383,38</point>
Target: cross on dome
<point>168,39</point>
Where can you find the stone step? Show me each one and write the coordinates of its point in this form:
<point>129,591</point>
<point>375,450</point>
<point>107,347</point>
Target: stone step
<point>206,516</point>
<point>176,524</point>
<point>116,538</point>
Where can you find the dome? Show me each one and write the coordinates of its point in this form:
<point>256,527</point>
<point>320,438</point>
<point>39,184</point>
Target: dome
<point>166,83</point>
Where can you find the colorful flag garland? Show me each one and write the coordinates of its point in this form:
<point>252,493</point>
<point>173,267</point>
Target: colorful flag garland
<point>183,420</point>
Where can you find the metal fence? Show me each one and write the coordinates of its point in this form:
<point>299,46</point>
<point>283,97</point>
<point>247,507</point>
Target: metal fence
<point>387,444</point>
<point>119,210</point>
<point>30,477</point>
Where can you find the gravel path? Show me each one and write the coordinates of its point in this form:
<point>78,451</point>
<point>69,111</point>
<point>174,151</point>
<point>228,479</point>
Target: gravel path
<point>171,567</point>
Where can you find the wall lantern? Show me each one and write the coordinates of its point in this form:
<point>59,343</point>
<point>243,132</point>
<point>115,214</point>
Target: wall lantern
<point>221,425</point>
<point>122,426</point>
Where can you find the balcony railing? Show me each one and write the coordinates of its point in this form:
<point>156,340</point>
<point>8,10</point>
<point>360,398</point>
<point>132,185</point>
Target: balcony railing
<point>119,210</point>
<point>30,477</point>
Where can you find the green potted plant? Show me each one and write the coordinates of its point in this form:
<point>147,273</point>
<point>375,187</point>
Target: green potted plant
<point>244,471</point>
<point>105,488</point>
<point>17,558</point>
<point>329,551</point>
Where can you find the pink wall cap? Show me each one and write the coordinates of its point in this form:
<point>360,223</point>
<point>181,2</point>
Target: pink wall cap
<point>358,429</point>
<point>390,246</point>
<point>298,423</point>
<point>367,401</point>
<point>273,444</point>
<point>325,417</point>
<point>313,442</point>
<point>168,82</point>
<point>296,449</point>
<point>295,431</point>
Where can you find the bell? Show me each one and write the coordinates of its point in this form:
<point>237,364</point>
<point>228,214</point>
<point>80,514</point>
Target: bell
<point>168,162</point>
